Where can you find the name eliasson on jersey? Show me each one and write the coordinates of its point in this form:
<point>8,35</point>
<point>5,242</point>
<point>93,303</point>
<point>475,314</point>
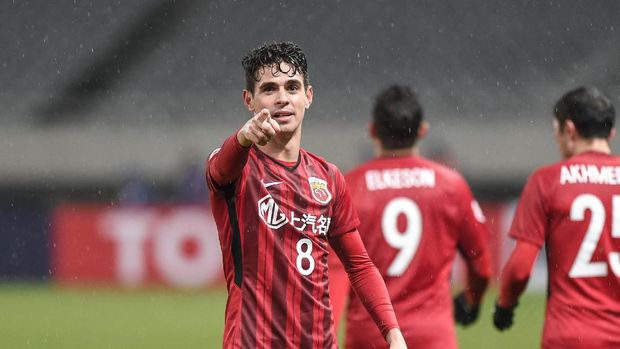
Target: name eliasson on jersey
<point>580,173</point>
<point>400,178</point>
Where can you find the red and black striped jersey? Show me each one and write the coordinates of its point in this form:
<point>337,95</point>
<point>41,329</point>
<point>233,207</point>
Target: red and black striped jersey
<point>274,222</point>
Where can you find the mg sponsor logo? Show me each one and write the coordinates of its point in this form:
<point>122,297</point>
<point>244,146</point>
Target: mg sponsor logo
<point>270,212</point>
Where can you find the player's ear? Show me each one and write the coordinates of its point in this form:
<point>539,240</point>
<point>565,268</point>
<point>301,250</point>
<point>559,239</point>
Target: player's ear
<point>422,130</point>
<point>309,96</point>
<point>612,134</point>
<point>248,99</point>
<point>570,129</point>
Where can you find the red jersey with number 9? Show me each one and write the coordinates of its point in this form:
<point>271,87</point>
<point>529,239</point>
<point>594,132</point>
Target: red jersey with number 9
<point>273,225</point>
<point>573,208</point>
<point>415,214</point>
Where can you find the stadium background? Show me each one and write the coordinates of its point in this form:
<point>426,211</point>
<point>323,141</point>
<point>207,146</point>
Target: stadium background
<point>108,109</point>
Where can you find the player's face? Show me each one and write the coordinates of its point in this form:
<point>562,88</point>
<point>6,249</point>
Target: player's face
<point>284,96</point>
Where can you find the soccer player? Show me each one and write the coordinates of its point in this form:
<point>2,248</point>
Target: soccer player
<point>415,215</point>
<point>573,208</point>
<point>278,208</point>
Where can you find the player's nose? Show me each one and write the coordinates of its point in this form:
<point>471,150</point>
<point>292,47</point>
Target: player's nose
<point>282,97</point>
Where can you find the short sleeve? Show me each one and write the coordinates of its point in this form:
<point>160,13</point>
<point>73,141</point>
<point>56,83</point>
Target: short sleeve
<point>530,220</point>
<point>344,217</point>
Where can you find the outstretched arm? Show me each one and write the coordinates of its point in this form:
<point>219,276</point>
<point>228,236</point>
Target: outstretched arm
<point>226,164</point>
<point>514,279</point>
<point>368,285</point>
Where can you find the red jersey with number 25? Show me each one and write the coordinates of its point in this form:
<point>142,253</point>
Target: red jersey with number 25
<point>273,224</point>
<point>573,208</point>
<point>415,214</point>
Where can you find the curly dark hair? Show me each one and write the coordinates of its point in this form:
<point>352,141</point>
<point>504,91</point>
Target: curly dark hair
<point>271,56</point>
<point>397,115</point>
<point>590,110</point>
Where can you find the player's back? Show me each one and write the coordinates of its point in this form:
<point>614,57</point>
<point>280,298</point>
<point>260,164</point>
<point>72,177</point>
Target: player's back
<point>581,200</point>
<point>411,211</point>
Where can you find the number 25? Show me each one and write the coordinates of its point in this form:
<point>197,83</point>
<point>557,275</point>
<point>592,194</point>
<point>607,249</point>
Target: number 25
<point>583,265</point>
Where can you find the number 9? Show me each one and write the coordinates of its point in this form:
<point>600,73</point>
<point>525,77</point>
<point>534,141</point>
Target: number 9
<point>409,240</point>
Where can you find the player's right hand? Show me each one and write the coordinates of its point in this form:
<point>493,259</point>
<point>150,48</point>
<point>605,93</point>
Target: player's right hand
<point>260,129</point>
<point>464,312</point>
<point>503,317</point>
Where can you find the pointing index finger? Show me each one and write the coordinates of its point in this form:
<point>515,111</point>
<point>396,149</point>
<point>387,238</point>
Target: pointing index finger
<point>263,115</point>
<point>275,125</point>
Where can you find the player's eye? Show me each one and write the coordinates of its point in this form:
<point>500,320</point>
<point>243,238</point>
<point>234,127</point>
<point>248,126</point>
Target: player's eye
<point>269,88</point>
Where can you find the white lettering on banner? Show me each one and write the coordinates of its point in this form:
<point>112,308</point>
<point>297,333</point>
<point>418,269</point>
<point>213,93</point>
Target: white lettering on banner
<point>133,229</point>
<point>182,269</point>
<point>400,178</point>
<point>129,230</point>
<point>592,174</point>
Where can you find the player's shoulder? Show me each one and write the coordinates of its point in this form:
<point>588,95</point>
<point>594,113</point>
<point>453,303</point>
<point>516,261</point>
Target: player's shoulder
<point>404,161</point>
<point>445,176</point>
<point>578,168</point>
<point>449,173</point>
<point>544,177</point>
<point>319,161</point>
<point>587,158</point>
<point>546,169</point>
<point>359,170</point>
<point>441,174</point>
<point>551,170</point>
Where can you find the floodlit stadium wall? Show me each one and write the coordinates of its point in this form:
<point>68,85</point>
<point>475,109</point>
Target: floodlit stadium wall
<point>93,90</point>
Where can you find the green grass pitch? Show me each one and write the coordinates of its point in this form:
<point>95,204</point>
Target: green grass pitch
<point>43,316</point>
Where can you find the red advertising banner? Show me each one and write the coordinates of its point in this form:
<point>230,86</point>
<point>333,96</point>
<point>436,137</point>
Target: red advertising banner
<point>178,246</point>
<point>175,246</point>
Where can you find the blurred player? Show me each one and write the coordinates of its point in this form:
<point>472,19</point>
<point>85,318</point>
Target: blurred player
<point>277,207</point>
<point>573,208</point>
<point>415,215</point>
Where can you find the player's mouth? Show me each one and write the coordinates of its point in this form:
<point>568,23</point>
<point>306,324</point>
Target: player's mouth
<point>282,116</point>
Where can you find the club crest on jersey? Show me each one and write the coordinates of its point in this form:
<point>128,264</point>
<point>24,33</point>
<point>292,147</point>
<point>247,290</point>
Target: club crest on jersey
<point>318,188</point>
